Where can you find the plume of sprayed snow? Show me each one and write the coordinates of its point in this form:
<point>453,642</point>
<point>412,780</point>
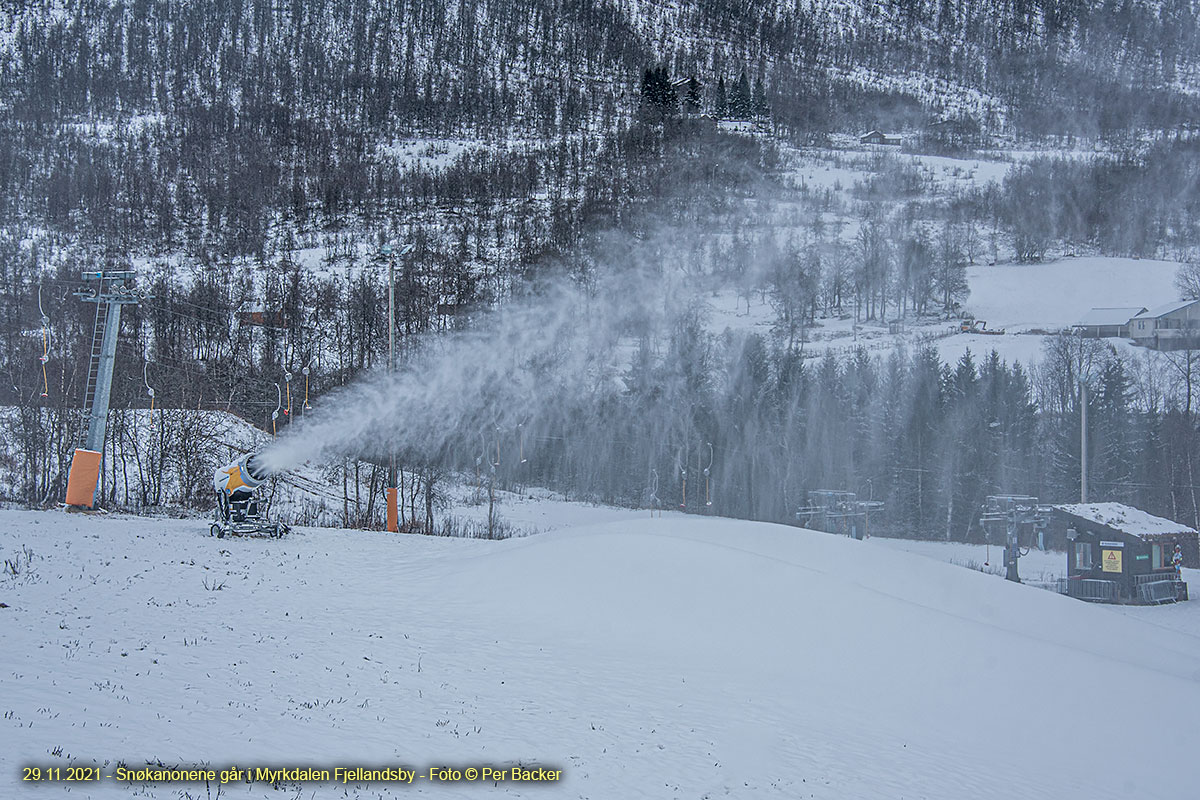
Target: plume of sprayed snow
<point>517,365</point>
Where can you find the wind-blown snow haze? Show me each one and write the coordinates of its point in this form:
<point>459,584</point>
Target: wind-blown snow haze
<point>512,367</point>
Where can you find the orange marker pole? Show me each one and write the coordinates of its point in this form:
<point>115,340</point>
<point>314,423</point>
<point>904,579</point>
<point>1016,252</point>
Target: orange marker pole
<point>393,514</point>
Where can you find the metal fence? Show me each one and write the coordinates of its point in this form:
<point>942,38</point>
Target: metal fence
<point>1158,589</point>
<point>1151,588</point>
<point>1089,589</point>
<point>1155,577</point>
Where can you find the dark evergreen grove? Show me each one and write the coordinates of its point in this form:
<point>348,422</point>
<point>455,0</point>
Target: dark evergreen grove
<point>929,440</point>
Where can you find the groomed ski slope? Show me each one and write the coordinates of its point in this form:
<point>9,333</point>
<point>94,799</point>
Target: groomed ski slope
<point>659,658</point>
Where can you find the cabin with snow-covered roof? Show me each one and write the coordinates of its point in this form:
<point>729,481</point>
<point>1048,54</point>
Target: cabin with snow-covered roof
<point>1118,553</point>
<point>1104,323</point>
<point>879,137</point>
<point>1174,326</point>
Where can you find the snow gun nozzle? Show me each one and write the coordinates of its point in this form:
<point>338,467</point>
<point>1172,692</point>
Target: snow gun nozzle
<point>257,468</point>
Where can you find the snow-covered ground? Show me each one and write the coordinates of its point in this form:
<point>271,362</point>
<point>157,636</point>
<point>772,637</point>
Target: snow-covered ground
<point>644,657</point>
<point>1020,297</point>
<point>840,167</point>
<point>1023,300</point>
<point>1043,568</point>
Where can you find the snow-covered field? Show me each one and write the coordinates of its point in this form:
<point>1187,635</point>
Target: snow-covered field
<point>668,657</point>
<point>1021,299</point>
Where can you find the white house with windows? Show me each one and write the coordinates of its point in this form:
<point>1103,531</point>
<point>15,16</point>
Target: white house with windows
<point>1174,326</point>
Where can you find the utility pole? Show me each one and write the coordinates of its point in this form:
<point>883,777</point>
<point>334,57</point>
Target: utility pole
<point>111,293</point>
<point>1083,454</point>
<point>393,510</point>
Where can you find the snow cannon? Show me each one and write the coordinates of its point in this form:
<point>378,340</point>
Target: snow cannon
<point>238,511</point>
<point>241,478</point>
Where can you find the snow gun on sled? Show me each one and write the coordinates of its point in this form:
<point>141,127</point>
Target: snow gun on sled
<point>238,511</point>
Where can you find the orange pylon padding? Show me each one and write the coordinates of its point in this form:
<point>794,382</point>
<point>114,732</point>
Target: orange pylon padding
<point>393,513</point>
<point>82,479</point>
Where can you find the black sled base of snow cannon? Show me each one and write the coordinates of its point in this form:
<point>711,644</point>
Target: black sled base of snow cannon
<point>244,518</point>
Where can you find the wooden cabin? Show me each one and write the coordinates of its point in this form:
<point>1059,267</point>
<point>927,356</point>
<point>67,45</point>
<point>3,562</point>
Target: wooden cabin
<point>879,137</point>
<point>1120,554</point>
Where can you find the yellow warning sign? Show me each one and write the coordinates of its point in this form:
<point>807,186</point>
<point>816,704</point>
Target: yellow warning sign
<point>1111,560</point>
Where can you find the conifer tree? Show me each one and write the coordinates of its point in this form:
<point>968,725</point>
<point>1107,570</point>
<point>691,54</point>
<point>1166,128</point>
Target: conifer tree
<point>741,105</point>
<point>691,101</point>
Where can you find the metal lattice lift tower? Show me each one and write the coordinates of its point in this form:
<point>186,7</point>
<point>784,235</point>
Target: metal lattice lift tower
<point>112,292</point>
<point>836,511</point>
<point>1007,514</point>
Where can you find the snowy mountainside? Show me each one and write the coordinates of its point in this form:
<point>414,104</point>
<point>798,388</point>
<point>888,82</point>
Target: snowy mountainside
<point>955,59</point>
<point>662,657</point>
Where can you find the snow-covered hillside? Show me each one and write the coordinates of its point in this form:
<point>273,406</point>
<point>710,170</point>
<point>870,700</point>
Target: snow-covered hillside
<point>668,657</point>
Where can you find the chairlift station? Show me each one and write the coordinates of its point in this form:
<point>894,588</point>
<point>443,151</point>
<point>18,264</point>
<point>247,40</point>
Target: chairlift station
<point>1120,554</point>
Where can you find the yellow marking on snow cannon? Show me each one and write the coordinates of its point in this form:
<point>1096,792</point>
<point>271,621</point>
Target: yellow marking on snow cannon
<point>235,481</point>
<point>238,511</point>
